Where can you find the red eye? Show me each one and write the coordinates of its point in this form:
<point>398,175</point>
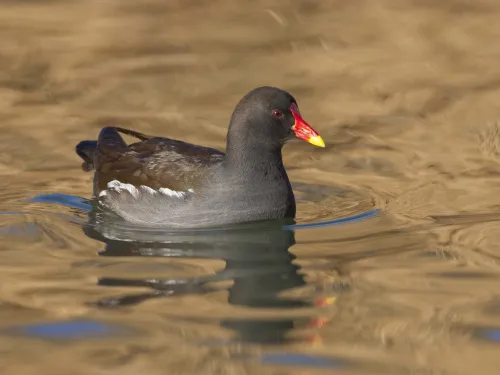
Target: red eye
<point>277,113</point>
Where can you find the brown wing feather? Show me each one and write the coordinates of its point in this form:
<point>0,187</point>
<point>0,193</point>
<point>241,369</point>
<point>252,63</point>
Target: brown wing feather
<point>155,162</point>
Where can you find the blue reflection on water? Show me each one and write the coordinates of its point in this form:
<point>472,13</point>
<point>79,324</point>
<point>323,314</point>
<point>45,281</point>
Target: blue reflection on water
<point>67,330</point>
<point>492,334</point>
<point>296,359</point>
<point>64,200</point>
<point>343,220</point>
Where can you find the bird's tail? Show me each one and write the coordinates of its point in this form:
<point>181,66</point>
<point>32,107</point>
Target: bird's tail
<point>109,141</point>
<point>87,150</point>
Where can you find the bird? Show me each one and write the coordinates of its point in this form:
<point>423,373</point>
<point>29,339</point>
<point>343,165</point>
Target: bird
<point>163,182</point>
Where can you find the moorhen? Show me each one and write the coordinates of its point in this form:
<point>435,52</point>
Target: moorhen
<point>166,182</point>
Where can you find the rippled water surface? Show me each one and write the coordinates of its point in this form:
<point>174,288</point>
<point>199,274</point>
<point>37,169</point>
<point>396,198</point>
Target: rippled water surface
<point>393,264</point>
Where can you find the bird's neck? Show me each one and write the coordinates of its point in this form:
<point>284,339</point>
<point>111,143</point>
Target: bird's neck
<point>254,161</point>
<point>257,177</point>
<point>254,167</point>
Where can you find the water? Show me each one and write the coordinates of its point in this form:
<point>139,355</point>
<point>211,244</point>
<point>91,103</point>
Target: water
<point>238,288</point>
<point>392,267</point>
<point>333,295</point>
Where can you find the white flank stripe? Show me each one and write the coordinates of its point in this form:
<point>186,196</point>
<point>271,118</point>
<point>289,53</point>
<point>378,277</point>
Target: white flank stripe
<point>119,187</point>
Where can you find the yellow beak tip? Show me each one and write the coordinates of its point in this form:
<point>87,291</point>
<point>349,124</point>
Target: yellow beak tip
<point>317,141</point>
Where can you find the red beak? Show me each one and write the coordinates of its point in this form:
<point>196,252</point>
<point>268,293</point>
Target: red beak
<point>303,130</point>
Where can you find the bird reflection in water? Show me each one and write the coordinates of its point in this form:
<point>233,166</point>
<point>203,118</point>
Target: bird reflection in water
<point>258,262</point>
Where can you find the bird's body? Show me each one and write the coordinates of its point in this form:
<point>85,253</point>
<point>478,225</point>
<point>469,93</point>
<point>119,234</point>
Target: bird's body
<point>165,182</point>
